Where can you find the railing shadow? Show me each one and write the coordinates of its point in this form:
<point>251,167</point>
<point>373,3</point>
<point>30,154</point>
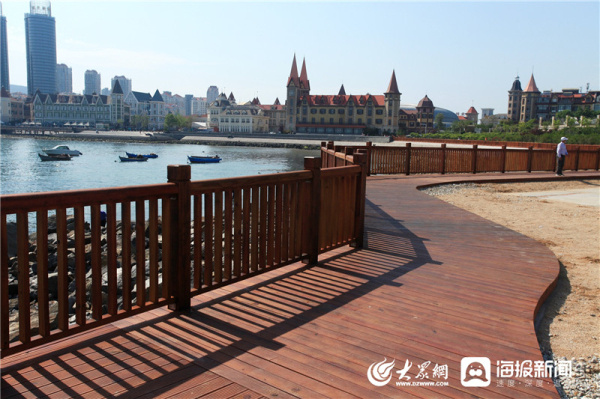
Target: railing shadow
<point>244,326</point>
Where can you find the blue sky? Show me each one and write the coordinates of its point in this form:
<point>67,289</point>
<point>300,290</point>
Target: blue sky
<point>459,53</point>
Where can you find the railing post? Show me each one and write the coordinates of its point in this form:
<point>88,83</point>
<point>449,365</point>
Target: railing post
<point>180,236</point>
<point>360,158</point>
<point>347,152</point>
<point>529,158</point>
<point>314,216</point>
<point>503,169</point>
<point>323,154</point>
<point>598,159</point>
<point>474,158</point>
<point>576,158</point>
<point>369,150</point>
<point>408,147</point>
<point>443,171</point>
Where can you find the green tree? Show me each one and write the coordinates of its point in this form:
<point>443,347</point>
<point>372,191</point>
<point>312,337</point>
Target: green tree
<point>170,122</point>
<point>439,121</point>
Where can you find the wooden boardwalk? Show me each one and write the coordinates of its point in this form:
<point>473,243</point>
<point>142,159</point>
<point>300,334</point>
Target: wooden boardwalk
<point>435,284</point>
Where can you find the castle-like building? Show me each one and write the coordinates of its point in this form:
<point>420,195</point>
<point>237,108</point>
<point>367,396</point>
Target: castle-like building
<point>341,113</point>
<point>524,105</point>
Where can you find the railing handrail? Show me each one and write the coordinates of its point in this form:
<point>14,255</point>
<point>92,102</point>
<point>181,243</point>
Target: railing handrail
<point>12,203</point>
<point>248,181</point>
<point>409,159</point>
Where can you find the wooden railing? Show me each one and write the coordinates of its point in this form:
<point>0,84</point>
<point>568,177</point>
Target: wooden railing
<point>410,160</point>
<point>182,238</point>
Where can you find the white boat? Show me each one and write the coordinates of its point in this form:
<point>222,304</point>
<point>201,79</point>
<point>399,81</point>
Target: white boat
<point>62,149</point>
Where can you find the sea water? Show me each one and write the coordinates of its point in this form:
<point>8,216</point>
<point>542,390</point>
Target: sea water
<point>22,171</point>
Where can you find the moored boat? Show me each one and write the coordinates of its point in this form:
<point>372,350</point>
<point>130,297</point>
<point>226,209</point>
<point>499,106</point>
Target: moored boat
<point>139,158</point>
<point>57,157</point>
<point>151,155</point>
<point>203,159</point>
<point>61,150</point>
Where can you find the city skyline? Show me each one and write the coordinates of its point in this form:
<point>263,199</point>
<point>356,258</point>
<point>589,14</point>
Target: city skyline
<point>459,54</point>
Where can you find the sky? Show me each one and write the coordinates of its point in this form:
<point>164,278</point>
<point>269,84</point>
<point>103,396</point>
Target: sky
<point>460,54</point>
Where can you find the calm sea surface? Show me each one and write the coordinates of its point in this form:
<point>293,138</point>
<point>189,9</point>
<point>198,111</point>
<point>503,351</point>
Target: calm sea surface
<point>22,171</point>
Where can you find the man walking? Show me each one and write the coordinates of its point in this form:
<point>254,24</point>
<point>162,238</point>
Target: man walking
<point>561,153</point>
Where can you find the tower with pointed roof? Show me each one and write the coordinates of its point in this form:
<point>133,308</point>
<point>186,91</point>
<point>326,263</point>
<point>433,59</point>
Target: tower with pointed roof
<point>425,110</point>
<point>116,103</point>
<point>514,101</point>
<point>528,101</point>
<point>293,95</point>
<point>472,115</point>
<point>392,105</point>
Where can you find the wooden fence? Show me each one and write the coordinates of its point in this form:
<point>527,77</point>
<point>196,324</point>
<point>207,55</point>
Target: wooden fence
<point>182,238</point>
<point>410,160</point>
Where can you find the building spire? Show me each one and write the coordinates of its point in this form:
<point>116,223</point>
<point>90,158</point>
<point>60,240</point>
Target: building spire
<point>294,73</point>
<point>531,86</point>
<point>304,75</point>
<point>393,86</point>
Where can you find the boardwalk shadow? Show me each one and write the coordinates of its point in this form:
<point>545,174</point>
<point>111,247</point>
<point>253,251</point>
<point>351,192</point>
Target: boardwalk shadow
<point>238,331</point>
<point>551,309</point>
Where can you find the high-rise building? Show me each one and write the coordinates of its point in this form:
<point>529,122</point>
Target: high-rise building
<point>123,82</point>
<point>92,82</point>
<point>188,104</point>
<point>64,79</point>
<point>211,94</point>
<point>40,43</point>
<point>5,79</point>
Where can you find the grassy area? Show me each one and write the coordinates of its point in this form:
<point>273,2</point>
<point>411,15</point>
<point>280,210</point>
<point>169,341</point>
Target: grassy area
<point>576,135</point>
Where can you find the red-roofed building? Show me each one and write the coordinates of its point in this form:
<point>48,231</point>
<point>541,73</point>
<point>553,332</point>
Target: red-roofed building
<point>524,105</point>
<point>341,113</point>
<point>472,115</point>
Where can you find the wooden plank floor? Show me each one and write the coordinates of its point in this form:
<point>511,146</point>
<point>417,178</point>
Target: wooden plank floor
<point>435,284</point>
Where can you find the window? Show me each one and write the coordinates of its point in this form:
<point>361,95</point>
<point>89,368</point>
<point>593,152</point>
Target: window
<point>378,121</point>
<point>331,121</point>
<point>322,111</point>
<point>341,111</point>
<point>360,111</point>
<point>313,110</point>
<point>331,111</point>
<point>379,112</point>
<point>360,121</point>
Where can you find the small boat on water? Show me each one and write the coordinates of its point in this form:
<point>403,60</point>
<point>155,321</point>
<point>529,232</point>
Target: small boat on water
<point>151,155</point>
<point>203,159</point>
<point>61,150</point>
<point>139,158</point>
<point>57,157</point>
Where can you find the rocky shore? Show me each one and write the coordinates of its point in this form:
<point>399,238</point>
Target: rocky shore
<point>71,256</point>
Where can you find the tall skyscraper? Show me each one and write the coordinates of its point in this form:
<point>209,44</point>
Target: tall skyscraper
<point>188,104</point>
<point>4,78</point>
<point>92,82</point>
<point>40,43</point>
<point>211,94</point>
<point>123,82</point>
<point>64,79</point>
